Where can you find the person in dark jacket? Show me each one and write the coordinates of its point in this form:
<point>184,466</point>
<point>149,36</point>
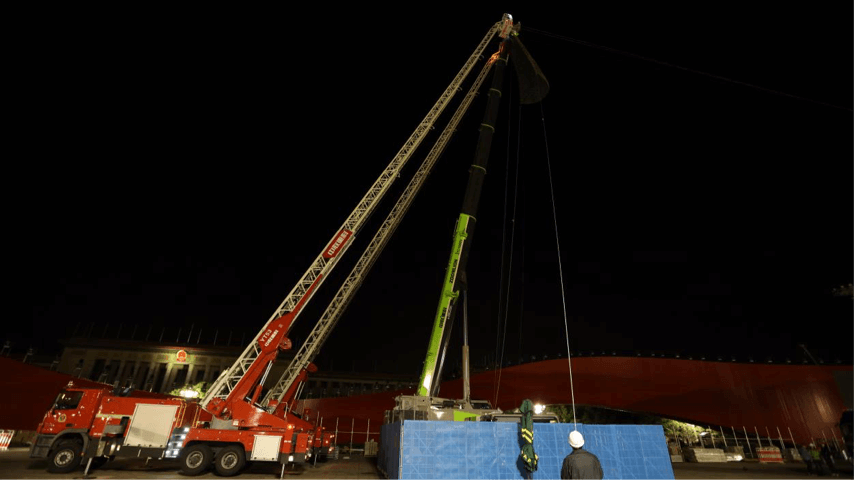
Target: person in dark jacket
<point>807,458</point>
<point>827,457</point>
<point>580,463</point>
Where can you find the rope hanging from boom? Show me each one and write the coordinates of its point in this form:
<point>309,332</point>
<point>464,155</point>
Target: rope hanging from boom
<point>505,291</point>
<point>559,266</point>
<point>504,306</point>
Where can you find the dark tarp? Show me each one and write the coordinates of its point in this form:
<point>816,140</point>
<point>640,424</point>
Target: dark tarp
<point>529,457</point>
<point>533,85</point>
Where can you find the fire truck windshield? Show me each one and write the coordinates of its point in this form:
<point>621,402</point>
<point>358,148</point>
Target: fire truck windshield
<point>67,400</point>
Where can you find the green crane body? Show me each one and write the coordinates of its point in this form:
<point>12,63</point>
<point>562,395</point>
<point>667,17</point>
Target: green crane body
<point>463,236</point>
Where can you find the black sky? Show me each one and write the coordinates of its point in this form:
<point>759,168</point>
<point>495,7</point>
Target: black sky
<point>185,168</point>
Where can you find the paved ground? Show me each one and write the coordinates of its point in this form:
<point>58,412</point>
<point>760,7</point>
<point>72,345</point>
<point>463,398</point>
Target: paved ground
<point>15,463</point>
<point>746,469</point>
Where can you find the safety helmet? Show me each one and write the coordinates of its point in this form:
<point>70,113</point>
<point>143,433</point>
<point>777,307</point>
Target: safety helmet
<point>575,439</point>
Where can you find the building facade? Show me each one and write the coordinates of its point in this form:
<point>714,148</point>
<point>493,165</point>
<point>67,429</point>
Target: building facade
<point>154,367</point>
<point>168,367</point>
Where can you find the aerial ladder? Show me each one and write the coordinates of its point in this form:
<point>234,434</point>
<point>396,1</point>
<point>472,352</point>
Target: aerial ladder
<point>245,369</point>
<point>277,396</point>
<point>240,425</point>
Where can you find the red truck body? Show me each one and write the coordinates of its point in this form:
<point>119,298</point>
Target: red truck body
<point>99,424</point>
<point>86,423</point>
<point>239,421</point>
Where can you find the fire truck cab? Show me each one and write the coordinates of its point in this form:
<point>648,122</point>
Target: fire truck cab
<point>99,424</point>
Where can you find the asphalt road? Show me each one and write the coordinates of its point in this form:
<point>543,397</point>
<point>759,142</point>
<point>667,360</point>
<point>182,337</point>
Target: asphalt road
<point>15,463</point>
<point>746,469</point>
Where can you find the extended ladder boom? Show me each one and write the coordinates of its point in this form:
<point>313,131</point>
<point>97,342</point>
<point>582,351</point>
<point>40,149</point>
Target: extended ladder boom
<point>309,349</point>
<point>341,241</point>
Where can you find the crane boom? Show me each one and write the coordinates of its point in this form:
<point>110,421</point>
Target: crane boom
<point>255,356</point>
<point>425,404</point>
<point>309,349</point>
<point>533,87</point>
<point>463,235</point>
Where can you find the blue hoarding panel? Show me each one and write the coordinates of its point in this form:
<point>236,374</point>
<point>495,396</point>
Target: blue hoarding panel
<point>455,450</point>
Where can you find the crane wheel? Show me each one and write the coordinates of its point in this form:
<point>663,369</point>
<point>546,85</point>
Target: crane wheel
<point>230,460</point>
<point>195,459</point>
<point>65,457</point>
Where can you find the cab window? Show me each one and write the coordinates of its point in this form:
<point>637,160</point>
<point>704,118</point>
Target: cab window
<point>67,400</point>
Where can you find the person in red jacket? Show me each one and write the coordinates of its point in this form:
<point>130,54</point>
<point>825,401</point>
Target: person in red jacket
<point>580,463</point>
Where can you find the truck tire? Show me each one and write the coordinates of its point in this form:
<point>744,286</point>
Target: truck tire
<point>65,457</point>
<point>230,460</point>
<point>195,459</point>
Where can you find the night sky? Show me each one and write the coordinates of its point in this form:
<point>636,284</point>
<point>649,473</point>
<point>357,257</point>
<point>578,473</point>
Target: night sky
<point>186,167</point>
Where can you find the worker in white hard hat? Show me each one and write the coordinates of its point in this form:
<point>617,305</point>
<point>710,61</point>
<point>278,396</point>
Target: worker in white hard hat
<point>580,463</point>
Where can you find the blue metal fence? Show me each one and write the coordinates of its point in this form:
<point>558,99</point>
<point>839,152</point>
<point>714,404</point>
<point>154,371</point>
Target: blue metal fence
<point>472,450</point>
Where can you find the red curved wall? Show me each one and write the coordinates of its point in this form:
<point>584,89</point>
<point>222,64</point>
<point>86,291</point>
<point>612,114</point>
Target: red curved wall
<point>804,398</point>
<point>27,392</point>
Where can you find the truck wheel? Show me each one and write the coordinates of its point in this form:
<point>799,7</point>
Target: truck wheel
<point>65,457</point>
<point>195,459</point>
<point>230,460</point>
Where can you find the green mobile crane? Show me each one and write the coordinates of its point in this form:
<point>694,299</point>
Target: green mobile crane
<point>426,404</point>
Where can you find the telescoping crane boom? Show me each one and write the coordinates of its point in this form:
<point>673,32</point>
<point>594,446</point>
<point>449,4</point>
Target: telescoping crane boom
<point>426,405</point>
<point>241,428</point>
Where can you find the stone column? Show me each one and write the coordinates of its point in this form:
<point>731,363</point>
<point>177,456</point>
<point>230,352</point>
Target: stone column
<point>119,371</point>
<point>167,379</point>
<point>190,370</point>
<point>135,372</point>
<point>152,372</point>
<point>208,372</point>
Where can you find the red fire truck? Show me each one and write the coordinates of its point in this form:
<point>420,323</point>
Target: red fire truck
<point>235,399</point>
<point>96,425</point>
<point>99,424</point>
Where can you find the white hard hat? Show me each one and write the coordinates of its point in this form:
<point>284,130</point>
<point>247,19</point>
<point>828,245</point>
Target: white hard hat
<point>575,439</point>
